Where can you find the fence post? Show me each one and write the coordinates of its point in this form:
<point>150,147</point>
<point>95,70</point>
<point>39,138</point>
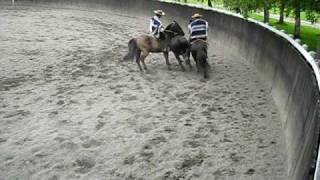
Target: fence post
<point>12,2</point>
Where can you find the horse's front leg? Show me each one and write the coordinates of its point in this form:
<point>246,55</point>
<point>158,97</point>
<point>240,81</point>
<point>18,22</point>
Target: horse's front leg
<point>179,60</point>
<point>166,56</point>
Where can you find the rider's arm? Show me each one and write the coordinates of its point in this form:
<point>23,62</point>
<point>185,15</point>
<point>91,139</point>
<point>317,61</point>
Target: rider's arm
<point>161,28</point>
<point>190,31</point>
<point>151,24</point>
<point>189,28</point>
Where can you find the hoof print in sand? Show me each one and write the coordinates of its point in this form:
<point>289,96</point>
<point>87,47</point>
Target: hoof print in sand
<point>91,143</point>
<point>157,140</point>
<point>235,157</point>
<point>84,164</point>
<point>100,125</point>
<point>7,84</point>
<point>191,144</point>
<point>22,113</point>
<point>250,171</point>
<point>223,173</point>
<point>189,161</point>
<point>69,145</point>
<point>3,140</point>
<point>129,160</point>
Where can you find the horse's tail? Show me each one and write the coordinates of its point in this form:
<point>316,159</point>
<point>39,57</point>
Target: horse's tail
<point>185,46</point>
<point>133,49</point>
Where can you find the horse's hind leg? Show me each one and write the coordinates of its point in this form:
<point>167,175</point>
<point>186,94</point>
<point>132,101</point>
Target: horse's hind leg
<point>138,62</point>
<point>204,66</point>
<point>179,60</point>
<point>138,54</point>
<point>194,55</point>
<point>166,56</point>
<point>205,71</point>
<point>143,57</point>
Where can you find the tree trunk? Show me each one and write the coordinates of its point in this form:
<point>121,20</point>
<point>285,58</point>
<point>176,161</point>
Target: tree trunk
<point>209,3</point>
<point>282,7</point>
<point>266,14</point>
<point>318,48</point>
<point>297,19</point>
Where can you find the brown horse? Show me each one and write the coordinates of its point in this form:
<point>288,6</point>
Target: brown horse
<point>141,46</point>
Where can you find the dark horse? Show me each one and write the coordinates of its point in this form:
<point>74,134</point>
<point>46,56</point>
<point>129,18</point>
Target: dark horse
<point>199,54</point>
<point>141,46</point>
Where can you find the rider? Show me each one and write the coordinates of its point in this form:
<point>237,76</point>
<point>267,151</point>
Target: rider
<point>156,27</point>
<point>198,28</point>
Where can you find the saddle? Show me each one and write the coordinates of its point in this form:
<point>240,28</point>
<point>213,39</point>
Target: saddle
<point>202,40</point>
<point>164,44</point>
<point>205,41</point>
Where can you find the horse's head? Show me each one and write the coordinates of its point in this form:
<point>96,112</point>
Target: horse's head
<point>175,28</point>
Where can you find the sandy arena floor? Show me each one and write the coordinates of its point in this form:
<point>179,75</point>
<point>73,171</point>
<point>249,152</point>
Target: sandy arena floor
<point>70,109</point>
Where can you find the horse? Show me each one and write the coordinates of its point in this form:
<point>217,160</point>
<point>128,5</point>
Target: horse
<point>199,54</point>
<point>141,46</point>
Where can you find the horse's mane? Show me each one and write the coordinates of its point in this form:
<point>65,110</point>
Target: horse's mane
<point>174,26</point>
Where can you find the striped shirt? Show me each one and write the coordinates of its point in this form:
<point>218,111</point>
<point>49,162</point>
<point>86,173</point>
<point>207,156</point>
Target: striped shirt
<point>198,28</point>
<point>156,26</point>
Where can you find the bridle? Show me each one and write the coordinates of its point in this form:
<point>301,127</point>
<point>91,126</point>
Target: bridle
<point>174,33</point>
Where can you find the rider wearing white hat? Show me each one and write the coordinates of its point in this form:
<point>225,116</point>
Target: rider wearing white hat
<point>198,28</point>
<point>156,27</point>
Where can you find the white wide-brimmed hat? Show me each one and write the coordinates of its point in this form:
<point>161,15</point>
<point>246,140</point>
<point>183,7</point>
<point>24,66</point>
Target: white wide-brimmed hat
<point>196,15</point>
<point>159,12</point>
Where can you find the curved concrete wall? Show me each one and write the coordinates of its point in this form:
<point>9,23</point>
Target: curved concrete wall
<point>289,71</point>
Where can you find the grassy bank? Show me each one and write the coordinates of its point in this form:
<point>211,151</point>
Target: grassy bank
<point>308,34</point>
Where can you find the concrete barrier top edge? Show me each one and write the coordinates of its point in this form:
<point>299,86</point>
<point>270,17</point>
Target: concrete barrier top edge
<point>310,60</point>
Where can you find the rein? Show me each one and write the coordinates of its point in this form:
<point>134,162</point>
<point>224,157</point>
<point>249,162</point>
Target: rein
<point>174,33</point>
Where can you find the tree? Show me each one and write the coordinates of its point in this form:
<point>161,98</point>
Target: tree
<point>297,13</point>
<point>266,13</point>
<point>282,6</point>
<point>209,2</point>
<point>298,6</point>
<point>312,16</point>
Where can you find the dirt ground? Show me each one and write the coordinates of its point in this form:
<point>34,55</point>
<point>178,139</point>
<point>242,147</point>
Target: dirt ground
<point>71,109</point>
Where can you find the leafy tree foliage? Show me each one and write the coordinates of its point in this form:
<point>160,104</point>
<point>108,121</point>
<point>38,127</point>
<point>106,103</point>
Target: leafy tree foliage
<point>311,7</point>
